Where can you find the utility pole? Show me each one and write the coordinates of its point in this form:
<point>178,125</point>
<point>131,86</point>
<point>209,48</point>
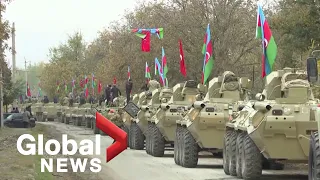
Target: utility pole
<point>13,53</point>
<point>26,74</point>
<point>1,70</point>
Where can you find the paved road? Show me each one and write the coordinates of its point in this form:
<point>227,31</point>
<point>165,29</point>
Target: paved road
<point>138,165</point>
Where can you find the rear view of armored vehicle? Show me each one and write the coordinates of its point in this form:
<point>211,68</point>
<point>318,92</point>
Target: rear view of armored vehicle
<point>50,111</point>
<point>68,111</point>
<point>203,128</point>
<point>81,113</point>
<point>74,114</point>
<point>38,111</point>
<point>275,128</point>
<point>139,125</point>
<point>163,128</point>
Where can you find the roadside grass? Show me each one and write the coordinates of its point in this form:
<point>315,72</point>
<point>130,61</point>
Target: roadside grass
<point>13,165</point>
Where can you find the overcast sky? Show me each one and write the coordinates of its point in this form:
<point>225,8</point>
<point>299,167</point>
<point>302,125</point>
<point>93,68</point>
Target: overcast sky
<point>41,24</point>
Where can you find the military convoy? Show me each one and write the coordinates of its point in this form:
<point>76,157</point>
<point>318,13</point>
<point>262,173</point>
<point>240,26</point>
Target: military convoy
<point>250,134</point>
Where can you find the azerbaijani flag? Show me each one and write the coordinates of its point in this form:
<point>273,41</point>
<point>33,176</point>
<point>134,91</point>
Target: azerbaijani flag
<point>164,66</point>
<point>65,87</point>
<point>73,84</point>
<point>147,73</point>
<point>58,86</point>
<point>86,90</point>
<point>129,75</point>
<point>269,46</point>
<point>157,64</point>
<point>39,90</point>
<point>208,60</point>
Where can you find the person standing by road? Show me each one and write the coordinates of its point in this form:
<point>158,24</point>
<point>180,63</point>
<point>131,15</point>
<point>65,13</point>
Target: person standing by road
<point>129,86</point>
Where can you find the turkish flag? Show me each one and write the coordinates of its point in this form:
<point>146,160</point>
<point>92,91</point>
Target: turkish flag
<point>114,80</point>
<point>183,69</point>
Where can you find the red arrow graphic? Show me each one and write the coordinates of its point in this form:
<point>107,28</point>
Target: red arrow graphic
<point>115,132</point>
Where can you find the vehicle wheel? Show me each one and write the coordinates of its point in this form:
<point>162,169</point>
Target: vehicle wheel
<point>125,129</point>
<point>239,150</point>
<point>176,146</point>
<point>251,160</point>
<point>157,142</point>
<point>44,118</point>
<point>314,157</point>
<point>225,151</point>
<point>88,122</point>
<point>26,125</point>
<point>190,150</point>
<point>232,153</point>
<point>148,142</point>
<point>137,137</point>
<point>78,121</point>
<point>95,129</point>
<point>62,119</point>
<point>67,121</point>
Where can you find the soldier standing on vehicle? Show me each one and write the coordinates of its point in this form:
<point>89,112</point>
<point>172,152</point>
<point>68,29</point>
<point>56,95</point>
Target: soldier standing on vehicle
<point>107,93</point>
<point>115,92</point>
<point>129,86</point>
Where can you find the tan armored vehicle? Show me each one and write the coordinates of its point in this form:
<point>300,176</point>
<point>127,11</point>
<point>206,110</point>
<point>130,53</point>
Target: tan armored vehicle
<point>208,117</point>
<point>74,114</point>
<point>68,112</point>
<point>64,107</point>
<point>163,127</point>
<point>139,125</point>
<point>275,128</point>
<point>38,111</point>
<point>80,114</point>
<point>50,111</point>
<point>161,96</point>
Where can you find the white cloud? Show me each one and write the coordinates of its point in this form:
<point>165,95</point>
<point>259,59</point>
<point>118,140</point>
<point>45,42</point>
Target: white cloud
<point>41,24</point>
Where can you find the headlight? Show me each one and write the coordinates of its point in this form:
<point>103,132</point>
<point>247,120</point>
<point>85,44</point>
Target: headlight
<point>277,112</point>
<point>173,110</point>
<point>209,109</point>
<point>287,111</point>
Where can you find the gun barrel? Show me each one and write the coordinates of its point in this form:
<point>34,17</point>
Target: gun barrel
<point>199,104</point>
<point>261,106</point>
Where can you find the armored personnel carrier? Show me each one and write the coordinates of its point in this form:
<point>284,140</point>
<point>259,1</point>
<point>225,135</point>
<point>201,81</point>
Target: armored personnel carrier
<point>161,96</point>
<point>80,113</point>
<point>74,114</point>
<point>277,127</point>
<point>208,117</point>
<point>163,126</point>
<point>139,124</point>
<point>50,111</point>
<point>68,112</point>
<point>38,111</point>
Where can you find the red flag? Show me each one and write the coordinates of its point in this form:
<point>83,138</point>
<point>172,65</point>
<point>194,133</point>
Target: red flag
<point>145,42</point>
<point>183,69</point>
<point>86,92</point>
<point>99,87</point>
<point>114,80</point>
<point>28,90</point>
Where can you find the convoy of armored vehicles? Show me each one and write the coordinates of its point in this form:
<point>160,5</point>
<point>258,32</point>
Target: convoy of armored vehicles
<point>277,126</point>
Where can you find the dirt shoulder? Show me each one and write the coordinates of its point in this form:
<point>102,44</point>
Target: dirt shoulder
<point>14,166</point>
